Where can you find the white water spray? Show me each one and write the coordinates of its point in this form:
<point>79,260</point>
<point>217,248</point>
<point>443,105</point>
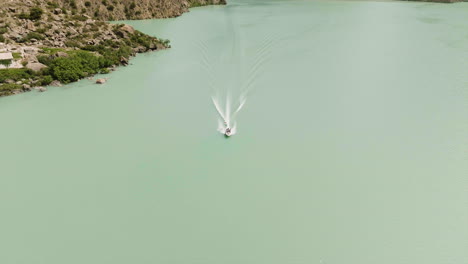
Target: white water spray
<point>233,72</point>
<point>227,118</point>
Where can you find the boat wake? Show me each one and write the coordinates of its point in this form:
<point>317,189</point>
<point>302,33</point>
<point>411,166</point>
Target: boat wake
<point>232,72</point>
<point>227,117</point>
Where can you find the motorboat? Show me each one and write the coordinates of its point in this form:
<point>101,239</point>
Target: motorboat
<point>228,132</point>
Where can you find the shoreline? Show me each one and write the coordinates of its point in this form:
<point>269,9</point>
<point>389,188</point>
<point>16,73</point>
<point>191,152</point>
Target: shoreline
<point>55,43</point>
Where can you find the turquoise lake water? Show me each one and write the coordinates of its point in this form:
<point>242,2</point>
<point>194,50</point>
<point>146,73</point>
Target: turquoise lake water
<point>351,147</point>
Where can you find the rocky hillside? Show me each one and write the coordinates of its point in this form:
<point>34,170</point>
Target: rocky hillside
<point>61,41</point>
<point>114,9</point>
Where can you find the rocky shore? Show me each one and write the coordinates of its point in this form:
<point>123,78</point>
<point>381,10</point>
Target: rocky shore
<point>53,42</point>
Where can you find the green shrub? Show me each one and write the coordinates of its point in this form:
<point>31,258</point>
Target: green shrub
<point>5,63</point>
<point>3,30</point>
<point>79,18</point>
<point>77,66</point>
<point>95,28</point>
<point>66,70</point>
<point>35,35</point>
<point>44,59</point>
<point>52,5</point>
<point>165,42</point>
<point>46,80</point>
<point>16,55</point>
<point>72,44</point>
<point>31,35</point>
<point>73,4</point>
<point>35,13</point>
<point>9,87</point>
<point>87,3</point>
<point>15,74</point>
<point>23,16</point>
<point>110,56</point>
<point>2,38</point>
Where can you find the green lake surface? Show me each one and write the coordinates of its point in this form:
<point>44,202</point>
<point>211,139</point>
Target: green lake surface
<point>351,147</point>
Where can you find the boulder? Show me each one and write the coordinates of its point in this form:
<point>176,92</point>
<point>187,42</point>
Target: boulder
<point>48,43</point>
<point>57,11</point>
<point>35,66</point>
<point>56,83</point>
<point>30,58</point>
<point>58,44</point>
<point>40,89</point>
<point>30,26</point>
<point>139,49</point>
<point>26,87</point>
<point>30,50</point>
<point>101,81</point>
<point>61,54</point>
<point>128,29</point>
<point>124,61</point>
<point>56,18</point>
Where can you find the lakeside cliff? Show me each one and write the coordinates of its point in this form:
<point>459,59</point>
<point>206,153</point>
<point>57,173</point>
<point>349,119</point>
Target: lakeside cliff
<point>54,42</point>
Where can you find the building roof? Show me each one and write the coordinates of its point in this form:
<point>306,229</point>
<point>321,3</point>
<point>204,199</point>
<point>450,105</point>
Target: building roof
<point>6,56</point>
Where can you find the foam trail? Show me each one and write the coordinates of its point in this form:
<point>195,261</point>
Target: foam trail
<point>241,105</point>
<point>228,110</point>
<point>233,70</point>
<point>218,108</point>
<point>224,119</point>
<point>220,126</point>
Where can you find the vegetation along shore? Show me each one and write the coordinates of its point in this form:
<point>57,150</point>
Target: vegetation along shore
<point>61,41</point>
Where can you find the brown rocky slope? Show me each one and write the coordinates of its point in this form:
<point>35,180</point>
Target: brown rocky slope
<point>114,9</point>
<point>52,42</point>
